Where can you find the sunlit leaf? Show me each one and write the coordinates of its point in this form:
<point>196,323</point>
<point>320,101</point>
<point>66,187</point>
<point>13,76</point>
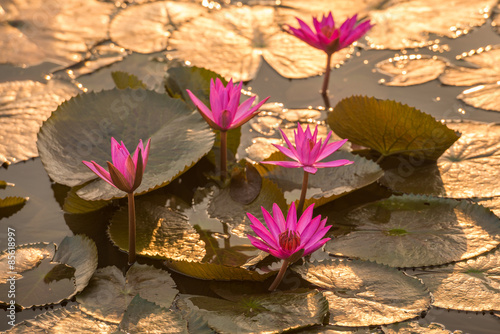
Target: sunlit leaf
<point>483,96</point>
<point>408,24</point>
<point>143,316</point>
<point>472,285</point>
<point>76,205</point>
<point>109,293</point>
<point>365,293</point>
<point>415,231</point>
<point>27,257</point>
<point>81,130</point>
<point>63,321</point>
<point>390,127</point>
<point>212,271</point>
<point>56,31</point>
<point>328,183</point>
<point>469,168</point>
<point>238,38</point>
<point>24,106</point>
<point>269,313</point>
<point>161,232</point>
<point>125,80</point>
<point>492,203</point>
<point>146,28</point>
<point>11,204</point>
<point>416,328</point>
<point>411,70</point>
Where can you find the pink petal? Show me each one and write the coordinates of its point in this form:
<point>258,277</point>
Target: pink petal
<point>264,233</point>
<point>305,219</point>
<point>290,146</point>
<point>101,172</point>
<point>286,152</point>
<point>330,148</point>
<point>318,235</point>
<point>334,163</point>
<point>271,224</point>
<point>310,169</point>
<point>312,248</point>
<point>201,106</point>
<point>286,164</point>
<point>119,155</point>
<point>279,218</point>
<point>243,116</point>
<point>310,229</point>
<point>291,218</point>
<point>259,244</point>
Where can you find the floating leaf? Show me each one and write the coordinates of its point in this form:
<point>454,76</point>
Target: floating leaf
<point>328,183</point>
<point>75,205</point>
<point>492,203</point>
<point>63,321</point>
<point>11,204</point>
<point>404,24</point>
<point>415,231</point>
<point>408,70</point>
<point>109,293</point>
<point>365,293</point>
<point>27,257</point>
<point>472,285</point>
<point>483,96</point>
<point>469,168</point>
<point>269,313</point>
<point>415,327</point>
<point>245,184</point>
<point>146,28</point>
<point>238,38</point>
<point>212,271</point>
<point>4,184</point>
<point>161,233</point>
<point>390,127</point>
<point>24,105</point>
<point>56,31</point>
<point>81,128</point>
<point>124,80</point>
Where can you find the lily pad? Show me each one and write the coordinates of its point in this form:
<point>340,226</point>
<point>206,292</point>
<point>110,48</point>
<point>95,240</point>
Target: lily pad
<point>483,96</point>
<point>109,293</point>
<point>75,205</point>
<point>269,313</point>
<point>56,31</point>
<point>414,231</point>
<point>11,204</point>
<point>146,28</point>
<point>45,273</point>
<point>469,168</point>
<point>24,105</point>
<point>81,130</point>
<point>161,233</point>
<point>472,285</point>
<point>365,293</point>
<point>404,24</point>
<point>408,70</point>
<point>239,38</point>
<point>4,184</point>
<point>328,183</point>
<point>124,80</point>
<point>390,127</point>
<point>416,328</point>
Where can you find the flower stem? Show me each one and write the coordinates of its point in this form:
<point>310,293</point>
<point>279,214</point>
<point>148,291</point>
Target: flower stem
<point>280,275</point>
<point>223,155</point>
<point>324,89</point>
<point>300,207</point>
<point>131,228</point>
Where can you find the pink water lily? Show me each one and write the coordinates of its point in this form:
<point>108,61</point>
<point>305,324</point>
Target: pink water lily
<point>330,39</point>
<point>285,238</point>
<point>125,173</point>
<point>227,113</point>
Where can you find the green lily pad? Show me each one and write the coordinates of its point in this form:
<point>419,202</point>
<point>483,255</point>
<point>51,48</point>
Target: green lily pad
<point>390,127</point>
<point>469,168</point>
<point>24,106</point>
<point>416,328</point>
<point>76,205</point>
<point>365,293</point>
<point>45,273</point>
<point>4,184</point>
<point>472,285</point>
<point>269,313</point>
<point>328,183</point>
<point>160,232</point>
<point>125,80</point>
<point>81,128</point>
<point>11,204</point>
<point>414,231</point>
<point>408,70</point>
<point>109,293</point>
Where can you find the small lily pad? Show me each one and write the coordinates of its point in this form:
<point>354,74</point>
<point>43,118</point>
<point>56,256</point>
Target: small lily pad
<point>81,128</point>
<point>415,231</point>
<point>408,70</point>
<point>365,293</point>
<point>109,293</point>
<point>469,168</point>
<point>472,285</point>
<point>11,204</point>
<point>269,313</point>
<point>124,80</point>
<point>328,183</point>
<point>390,127</point>
<point>415,327</point>
<point>75,205</point>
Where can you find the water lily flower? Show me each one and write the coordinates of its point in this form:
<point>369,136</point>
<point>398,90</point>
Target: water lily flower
<point>226,112</point>
<point>329,38</point>
<point>289,238</point>
<point>125,173</point>
<point>308,153</point>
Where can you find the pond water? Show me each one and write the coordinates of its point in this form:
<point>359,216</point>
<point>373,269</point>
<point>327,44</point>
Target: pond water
<point>43,220</point>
